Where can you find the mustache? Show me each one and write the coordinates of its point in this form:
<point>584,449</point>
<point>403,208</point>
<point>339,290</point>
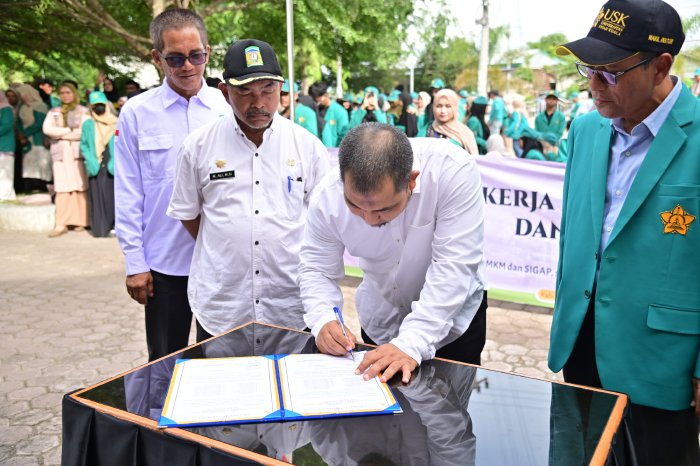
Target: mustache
<point>253,112</point>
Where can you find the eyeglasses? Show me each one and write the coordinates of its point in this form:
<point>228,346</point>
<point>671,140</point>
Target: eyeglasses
<point>178,61</point>
<point>605,76</point>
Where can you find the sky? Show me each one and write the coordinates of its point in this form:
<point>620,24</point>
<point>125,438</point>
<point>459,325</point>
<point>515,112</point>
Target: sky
<point>531,19</point>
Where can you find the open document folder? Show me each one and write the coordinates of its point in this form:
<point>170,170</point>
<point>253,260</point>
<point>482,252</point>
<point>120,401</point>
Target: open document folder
<point>278,387</point>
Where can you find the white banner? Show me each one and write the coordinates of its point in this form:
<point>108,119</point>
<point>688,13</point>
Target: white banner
<point>523,212</point>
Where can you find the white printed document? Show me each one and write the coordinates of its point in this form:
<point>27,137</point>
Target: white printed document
<point>271,388</point>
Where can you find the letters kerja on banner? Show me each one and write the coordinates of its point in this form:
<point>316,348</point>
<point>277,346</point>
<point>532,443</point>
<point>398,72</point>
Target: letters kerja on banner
<point>521,231</point>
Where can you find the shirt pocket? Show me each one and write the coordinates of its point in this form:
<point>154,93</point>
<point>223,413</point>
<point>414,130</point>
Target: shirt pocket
<point>293,193</point>
<point>155,151</point>
<point>674,319</point>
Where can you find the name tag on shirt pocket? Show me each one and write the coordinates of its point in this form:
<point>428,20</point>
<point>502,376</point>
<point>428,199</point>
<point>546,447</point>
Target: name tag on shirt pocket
<point>222,175</point>
<point>156,150</point>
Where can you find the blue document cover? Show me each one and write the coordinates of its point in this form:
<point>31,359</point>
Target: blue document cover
<point>273,388</point>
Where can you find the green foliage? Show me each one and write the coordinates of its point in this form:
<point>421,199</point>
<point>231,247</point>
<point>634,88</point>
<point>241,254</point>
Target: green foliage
<point>524,73</point>
<point>461,60</point>
<point>76,38</point>
<point>691,24</point>
<point>434,40</point>
<point>548,44</point>
<point>454,60</point>
<point>496,36</point>
<point>43,36</point>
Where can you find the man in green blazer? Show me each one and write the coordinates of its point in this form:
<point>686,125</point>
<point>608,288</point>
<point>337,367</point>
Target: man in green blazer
<point>335,115</point>
<point>627,311</point>
<point>551,120</point>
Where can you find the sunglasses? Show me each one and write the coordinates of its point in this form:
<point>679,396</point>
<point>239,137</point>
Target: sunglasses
<point>178,61</point>
<point>605,76</point>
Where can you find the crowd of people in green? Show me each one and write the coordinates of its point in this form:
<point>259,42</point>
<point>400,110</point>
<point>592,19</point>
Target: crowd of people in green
<point>60,140</point>
<point>486,125</point>
<point>63,145</point>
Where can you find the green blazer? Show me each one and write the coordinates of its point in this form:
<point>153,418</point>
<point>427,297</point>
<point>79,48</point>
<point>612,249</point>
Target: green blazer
<point>7,130</point>
<point>336,125</point>
<point>647,300</point>
<point>88,150</point>
<point>555,126</point>
<point>474,124</point>
<point>33,133</point>
<point>306,117</point>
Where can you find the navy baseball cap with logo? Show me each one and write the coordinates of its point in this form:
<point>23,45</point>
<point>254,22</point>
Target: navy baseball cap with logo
<point>623,28</point>
<point>249,60</point>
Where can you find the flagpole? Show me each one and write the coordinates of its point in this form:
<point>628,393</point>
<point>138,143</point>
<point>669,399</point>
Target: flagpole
<point>290,57</point>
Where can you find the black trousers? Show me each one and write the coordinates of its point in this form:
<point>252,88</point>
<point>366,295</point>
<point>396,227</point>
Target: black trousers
<point>659,436</point>
<point>168,315</point>
<point>467,348</point>
<point>101,200</point>
<point>201,333</point>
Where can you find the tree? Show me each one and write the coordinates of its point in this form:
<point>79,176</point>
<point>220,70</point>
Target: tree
<point>496,36</point>
<point>455,60</point>
<point>689,53</point>
<point>47,34</point>
<point>548,44</point>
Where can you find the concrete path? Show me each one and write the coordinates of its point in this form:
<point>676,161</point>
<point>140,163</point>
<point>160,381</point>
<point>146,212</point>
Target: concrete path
<point>66,322</point>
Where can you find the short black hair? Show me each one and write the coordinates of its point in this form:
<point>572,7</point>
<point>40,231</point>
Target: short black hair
<point>318,89</point>
<point>213,81</point>
<point>373,151</point>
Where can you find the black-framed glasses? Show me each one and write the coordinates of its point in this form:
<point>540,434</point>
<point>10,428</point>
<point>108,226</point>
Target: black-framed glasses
<point>178,61</point>
<point>605,76</point>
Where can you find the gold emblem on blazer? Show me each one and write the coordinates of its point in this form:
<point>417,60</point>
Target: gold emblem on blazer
<point>220,163</point>
<point>677,220</point>
<point>291,162</point>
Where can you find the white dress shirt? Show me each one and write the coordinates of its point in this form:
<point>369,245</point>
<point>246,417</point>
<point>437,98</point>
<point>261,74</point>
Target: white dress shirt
<point>253,202</point>
<point>150,131</point>
<point>423,271</point>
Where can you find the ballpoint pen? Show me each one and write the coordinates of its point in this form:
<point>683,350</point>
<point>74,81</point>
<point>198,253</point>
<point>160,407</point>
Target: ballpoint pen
<point>341,322</point>
<point>289,184</point>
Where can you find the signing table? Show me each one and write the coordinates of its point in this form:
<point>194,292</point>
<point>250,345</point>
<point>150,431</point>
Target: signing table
<point>453,414</point>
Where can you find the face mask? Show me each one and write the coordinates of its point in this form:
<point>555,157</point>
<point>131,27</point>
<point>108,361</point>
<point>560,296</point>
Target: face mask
<point>99,109</point>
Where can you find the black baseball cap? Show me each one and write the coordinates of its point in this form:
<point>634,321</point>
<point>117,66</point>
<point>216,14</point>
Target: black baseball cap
<point>623,28</point>
<point>249,60</point>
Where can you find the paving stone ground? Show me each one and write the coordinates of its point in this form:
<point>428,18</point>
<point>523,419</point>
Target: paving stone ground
<point>66,322</point>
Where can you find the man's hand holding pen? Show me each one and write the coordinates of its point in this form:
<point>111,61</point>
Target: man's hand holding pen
<point>332,340</point>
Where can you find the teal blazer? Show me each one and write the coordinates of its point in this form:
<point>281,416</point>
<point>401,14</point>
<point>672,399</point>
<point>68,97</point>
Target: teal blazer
<point>7,130</point>
<point>305,116</point>
<point>88,150</point>
<point>556,125</point>
<point>336,125</point>
<point>647,300</point>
